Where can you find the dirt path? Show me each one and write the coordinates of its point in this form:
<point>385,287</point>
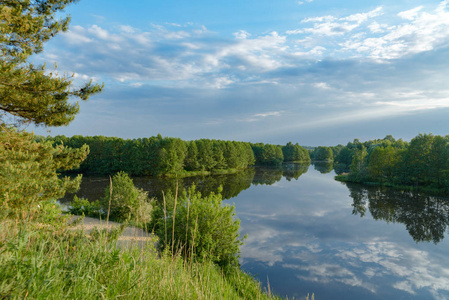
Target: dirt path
<point>130,236</point>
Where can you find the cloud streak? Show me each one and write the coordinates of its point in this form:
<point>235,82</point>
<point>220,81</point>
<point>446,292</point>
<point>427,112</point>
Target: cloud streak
<point>332,70</point>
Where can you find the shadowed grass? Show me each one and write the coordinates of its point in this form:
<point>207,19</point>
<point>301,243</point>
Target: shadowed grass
<point>40,261</point>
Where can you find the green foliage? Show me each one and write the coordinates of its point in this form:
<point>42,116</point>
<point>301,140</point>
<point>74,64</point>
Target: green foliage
<point>171,155</point>
<point>344,157</point>
<point>200,227</point>
<point>267,154</point>
<point>27,92</point>
<point>358,165</point>
<point>323,153</point>
<point>81,206</point>
<point>382,163</point>
<point>191,162</point>
<point>54,262</point>
<point>295,153</point>
<point>124,201</point>
<point>28,170</point>
<point>423,163</point>
<point>158,156</point>
<point>32,94</point>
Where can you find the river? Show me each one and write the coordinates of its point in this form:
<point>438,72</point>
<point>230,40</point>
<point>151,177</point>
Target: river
<point>308,233</point>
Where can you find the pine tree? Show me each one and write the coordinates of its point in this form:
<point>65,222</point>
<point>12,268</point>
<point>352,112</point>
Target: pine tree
<point>31,94</point>
<point>28,93</point>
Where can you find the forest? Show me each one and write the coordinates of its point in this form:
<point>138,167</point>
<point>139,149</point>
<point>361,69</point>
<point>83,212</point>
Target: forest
<point>159,155</point>
<point>421,163</point>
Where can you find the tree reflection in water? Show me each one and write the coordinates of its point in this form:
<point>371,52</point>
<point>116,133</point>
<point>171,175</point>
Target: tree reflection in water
<point>92,188</point>
<point>323,167</point>
<point>426,218</point>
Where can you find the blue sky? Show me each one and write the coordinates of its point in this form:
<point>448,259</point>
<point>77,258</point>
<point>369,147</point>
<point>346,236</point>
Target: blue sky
<point>313,71</point>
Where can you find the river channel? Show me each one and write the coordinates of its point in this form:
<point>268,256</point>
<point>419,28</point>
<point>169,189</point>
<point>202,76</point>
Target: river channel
<point>308,233</point>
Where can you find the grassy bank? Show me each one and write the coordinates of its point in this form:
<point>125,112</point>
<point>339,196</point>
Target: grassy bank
<point>430,190</point>
<point>50,261</point>
<point>185,174</point>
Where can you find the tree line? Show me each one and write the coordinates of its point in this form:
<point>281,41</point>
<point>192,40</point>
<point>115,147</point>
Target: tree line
<point>423,162</point>
<point>159,155</point>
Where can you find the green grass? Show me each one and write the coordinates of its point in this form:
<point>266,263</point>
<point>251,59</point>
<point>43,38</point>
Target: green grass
<point>51,261</point>
<point>429,189</point>
<point>184,174</point>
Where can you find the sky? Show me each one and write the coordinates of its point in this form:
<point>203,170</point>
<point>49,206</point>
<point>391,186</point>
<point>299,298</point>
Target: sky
<point>316,72</point>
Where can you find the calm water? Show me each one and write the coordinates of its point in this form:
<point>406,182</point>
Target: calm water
<point>308,233</point>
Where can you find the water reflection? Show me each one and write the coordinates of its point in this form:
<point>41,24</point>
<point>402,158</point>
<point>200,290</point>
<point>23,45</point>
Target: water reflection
<point>293,171</point>
<point>303,236</point>
<point>426,218</point>
<point>93,188</point>
<point>323,167</point>
<point>306,236</point>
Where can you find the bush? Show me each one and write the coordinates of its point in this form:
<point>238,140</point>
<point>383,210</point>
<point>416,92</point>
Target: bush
<point>203,229</point>
<point>124,201</point>
<point>81,206</point>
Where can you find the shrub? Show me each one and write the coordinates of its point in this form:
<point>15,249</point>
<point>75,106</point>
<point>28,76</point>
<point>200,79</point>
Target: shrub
<point>203,228</point>
<point>81,206</point>
<point>124,201</point>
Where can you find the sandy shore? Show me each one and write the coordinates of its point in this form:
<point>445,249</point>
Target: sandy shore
<point>130,236</point>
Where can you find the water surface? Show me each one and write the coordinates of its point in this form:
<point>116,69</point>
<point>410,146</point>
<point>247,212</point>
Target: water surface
<point>308,233</point>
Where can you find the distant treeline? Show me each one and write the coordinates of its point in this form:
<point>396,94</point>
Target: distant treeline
<point>159,155</point>
<point>424,162</point>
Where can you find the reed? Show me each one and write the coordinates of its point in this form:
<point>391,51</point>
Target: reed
<point>41,261</point>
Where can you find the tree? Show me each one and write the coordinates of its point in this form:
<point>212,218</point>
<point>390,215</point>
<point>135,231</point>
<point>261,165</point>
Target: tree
<point>416,159</point>
<point>358,165</point>
<point>31,94</point>
<point>323,154</point>
<point>382,163</point>
<point>199,226</point>
<point>123,200</point>
<point>191,160</point>
<point>27,92</point>
<point>28,171</point>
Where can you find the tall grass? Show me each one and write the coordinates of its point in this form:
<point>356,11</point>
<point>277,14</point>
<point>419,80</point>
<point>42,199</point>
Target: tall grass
<point>40,261</point>
<point>43,257</point>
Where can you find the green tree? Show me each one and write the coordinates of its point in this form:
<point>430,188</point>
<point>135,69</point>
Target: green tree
<point>191,160</point>
<point>359,164</point>
<point>439,159</point>
<point>200,226</point>
<point>415,167</point>
<point>322,153</point>
<point>32,94</point>
<point>206,154</point>
<point>123,200</point>
<point>383,162</point>
<point>28,171</point>
<point>295,153</point>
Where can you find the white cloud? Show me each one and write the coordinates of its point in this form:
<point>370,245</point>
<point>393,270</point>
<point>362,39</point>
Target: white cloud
<point>422,31</point>
<point>77,35</point>
<point>261,116</point>
<point>242,35</point>
<point>375,27</point>
<point>303,2</point>
<point>99,32</point>
<point>410,14</point>
<point>331,26</point>
<point>136,84</point>
<point>269,114</point>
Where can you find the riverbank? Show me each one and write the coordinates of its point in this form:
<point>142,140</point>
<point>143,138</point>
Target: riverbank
<point>185,174</point>
<point>54,260</point>
<point>429,190</point>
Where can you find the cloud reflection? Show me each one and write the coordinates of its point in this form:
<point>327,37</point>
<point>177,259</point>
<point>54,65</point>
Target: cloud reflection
<point>312,236</point>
